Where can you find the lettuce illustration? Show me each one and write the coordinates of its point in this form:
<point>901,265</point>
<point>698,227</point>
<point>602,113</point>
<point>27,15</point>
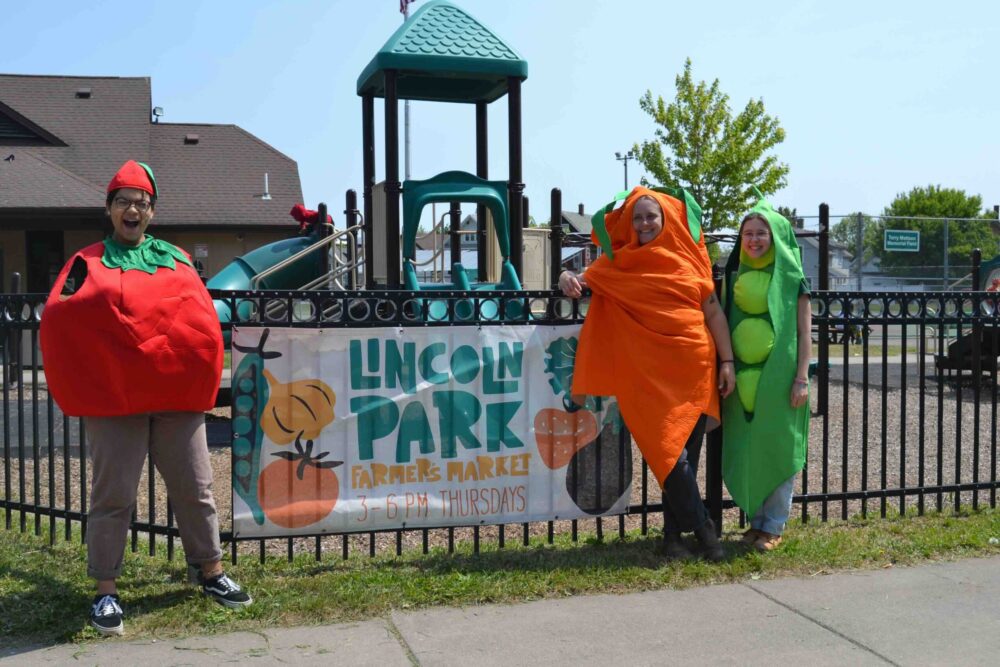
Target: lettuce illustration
<point>560,356</point>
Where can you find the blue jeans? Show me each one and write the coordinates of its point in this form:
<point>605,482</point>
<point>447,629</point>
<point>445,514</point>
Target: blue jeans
<point>773,514</point>
<point>683,509</point>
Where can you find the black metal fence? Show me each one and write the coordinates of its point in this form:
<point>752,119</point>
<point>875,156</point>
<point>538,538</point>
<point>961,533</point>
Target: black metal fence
<point>904,415</point>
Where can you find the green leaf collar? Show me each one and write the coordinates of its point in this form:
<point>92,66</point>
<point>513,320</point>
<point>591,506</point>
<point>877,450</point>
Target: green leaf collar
<point>148,256</point>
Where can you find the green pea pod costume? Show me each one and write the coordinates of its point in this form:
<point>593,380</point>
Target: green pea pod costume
<point>764,438</point>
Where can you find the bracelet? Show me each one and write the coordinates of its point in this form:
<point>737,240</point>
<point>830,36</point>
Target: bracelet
<point>727,361</point>
<point>802,382</point>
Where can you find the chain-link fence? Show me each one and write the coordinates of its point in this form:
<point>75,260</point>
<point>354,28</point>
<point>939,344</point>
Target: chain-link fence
<point>875,253</point>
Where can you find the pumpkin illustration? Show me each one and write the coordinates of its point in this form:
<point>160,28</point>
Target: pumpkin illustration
<point>301,408</point>
<point>559,434</point>
<point>299,489</point>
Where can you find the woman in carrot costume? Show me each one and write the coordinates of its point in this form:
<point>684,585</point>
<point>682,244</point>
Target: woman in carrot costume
<point>650,339</point>
<point>767,418</point>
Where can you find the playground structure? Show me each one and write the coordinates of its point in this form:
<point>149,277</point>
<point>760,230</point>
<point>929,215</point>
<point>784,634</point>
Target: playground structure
<point>439,54</point>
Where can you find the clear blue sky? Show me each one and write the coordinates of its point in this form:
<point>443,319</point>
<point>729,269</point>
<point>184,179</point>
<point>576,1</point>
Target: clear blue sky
<point>875,97</point>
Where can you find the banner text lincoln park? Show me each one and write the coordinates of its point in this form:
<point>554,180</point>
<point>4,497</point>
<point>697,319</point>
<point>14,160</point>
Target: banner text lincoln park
<point>344,430</point>
<point>497,371</point>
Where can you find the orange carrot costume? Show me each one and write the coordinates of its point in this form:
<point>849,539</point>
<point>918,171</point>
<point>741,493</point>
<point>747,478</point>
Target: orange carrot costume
<point>644,339</point>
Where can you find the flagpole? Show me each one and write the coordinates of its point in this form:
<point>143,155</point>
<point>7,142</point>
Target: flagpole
<point>406,115</point>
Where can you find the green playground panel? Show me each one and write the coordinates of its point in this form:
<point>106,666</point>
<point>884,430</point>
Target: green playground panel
<point>452,186</point>
<point>461,186</point>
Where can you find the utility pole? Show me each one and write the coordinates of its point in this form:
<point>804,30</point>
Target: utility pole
<point>406,111</point>
<point>625,158</point>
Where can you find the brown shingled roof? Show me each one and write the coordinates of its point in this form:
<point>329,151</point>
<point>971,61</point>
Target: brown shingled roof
<point>220,178</point>
<point>216,181</point>
<point>101,131</point>
<point>21,170</point>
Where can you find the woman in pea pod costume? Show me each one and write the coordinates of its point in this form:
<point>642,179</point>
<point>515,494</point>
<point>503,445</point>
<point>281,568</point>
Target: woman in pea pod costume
<point>766,420</point>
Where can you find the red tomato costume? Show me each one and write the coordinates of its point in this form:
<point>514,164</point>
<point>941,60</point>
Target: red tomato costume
<point>131,341</point>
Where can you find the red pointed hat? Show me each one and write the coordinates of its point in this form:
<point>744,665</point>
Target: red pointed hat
<point>134,175</point>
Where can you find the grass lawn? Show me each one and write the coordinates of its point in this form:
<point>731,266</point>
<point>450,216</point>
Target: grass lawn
<point>44,592</point>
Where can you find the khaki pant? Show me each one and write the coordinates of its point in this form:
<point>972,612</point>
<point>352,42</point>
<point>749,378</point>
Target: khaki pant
<point>175,441</point>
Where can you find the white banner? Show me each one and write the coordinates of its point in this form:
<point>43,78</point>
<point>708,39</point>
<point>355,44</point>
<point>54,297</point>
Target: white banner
<point>345,430</point>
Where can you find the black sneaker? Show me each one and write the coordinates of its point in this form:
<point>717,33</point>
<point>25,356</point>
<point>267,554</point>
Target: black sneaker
<point>225,591</point>
<point>106,615</point>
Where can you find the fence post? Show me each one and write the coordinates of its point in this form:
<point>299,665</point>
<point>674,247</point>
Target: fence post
<point>713,453</point>
<point>945,242</point>
<point>555,237</point>
<point>350,220</point>
<point>823,363</point>
<point>14,358</point>
<point>325,230</point>
<point>860,247</point>
<point>455,239</point>
<point>977,325</point>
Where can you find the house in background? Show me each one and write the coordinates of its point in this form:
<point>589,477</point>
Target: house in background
<point>223,191</point>
<point>574,257</point>
<point>840,263</point>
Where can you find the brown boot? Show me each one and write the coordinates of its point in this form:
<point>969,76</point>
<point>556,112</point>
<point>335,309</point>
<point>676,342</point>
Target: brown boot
<point>711,548</point>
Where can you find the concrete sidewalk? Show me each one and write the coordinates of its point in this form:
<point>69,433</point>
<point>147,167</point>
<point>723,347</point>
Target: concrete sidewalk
<point>940,614</point>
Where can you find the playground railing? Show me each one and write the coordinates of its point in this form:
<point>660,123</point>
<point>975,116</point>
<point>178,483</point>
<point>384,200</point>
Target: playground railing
<point>342,240</point>
<point>903,419</point>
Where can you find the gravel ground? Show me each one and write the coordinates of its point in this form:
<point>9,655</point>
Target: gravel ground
<point>854,446</point>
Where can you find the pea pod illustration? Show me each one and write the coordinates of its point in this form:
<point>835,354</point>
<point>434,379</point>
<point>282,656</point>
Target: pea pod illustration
<point>250,394</point>
<point>764,437</point>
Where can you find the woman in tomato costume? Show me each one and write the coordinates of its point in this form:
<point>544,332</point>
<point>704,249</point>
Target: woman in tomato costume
<point>131,343</point>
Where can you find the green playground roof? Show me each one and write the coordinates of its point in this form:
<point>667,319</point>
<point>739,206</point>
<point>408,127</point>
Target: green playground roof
<point>443,54</point>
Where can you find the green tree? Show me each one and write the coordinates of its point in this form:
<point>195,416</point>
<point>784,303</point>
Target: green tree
<point>792,216</point>
<point>924,209</point>
<point>718,157</point>
<point>845,232</point>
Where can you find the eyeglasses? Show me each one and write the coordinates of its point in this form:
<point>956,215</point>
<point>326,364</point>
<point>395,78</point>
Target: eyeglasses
<point>759,236</point>
<point>122,203</point>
